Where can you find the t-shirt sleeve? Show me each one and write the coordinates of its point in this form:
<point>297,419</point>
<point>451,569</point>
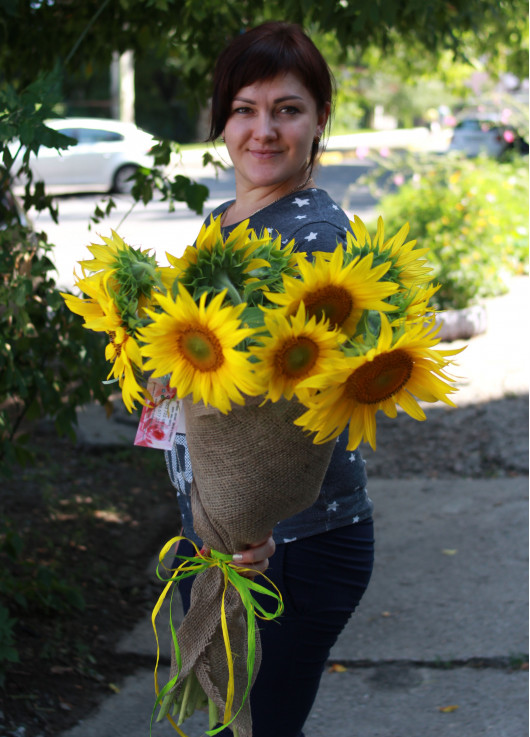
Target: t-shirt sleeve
<point>319,236</point>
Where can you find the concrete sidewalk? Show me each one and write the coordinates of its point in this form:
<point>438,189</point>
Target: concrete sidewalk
<point>443,624</point>
<point>438,646</point>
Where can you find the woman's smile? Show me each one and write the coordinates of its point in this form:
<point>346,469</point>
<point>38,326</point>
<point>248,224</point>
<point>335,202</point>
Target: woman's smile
<point>263,154</point>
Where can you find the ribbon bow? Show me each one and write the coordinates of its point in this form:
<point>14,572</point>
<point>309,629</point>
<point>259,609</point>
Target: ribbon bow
<point>245,586</point>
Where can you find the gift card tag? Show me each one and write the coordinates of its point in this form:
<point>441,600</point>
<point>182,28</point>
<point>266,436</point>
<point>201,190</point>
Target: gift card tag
<point>162,418</point>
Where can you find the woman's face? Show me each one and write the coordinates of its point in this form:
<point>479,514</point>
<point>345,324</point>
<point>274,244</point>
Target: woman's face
<point>270,131</point>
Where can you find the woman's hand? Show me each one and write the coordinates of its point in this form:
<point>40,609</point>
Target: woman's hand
<point>256,556</point>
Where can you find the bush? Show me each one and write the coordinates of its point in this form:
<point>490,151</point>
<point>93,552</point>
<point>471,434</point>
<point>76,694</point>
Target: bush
<point>472,214</point>
<point>8,651</point>
<point>27,584</point>
<point>49,364</point>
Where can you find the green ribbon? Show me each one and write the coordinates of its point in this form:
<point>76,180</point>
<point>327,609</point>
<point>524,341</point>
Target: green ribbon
<point>192,566</point>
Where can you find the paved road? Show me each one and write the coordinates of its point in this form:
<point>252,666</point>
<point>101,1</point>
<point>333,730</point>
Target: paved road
<point>154,227</point>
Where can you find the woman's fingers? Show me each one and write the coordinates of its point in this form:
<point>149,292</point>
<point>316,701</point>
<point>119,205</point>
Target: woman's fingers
<point>256,556</point>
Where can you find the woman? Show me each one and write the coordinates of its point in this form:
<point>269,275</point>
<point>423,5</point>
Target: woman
<point>271,104</point>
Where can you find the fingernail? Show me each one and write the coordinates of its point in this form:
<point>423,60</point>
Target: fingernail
<point>237,557</point>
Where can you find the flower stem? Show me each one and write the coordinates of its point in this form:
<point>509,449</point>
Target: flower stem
<point>213,714</point>
<point>185,697</point>
<point>165,706</point>
<point>222,281</point>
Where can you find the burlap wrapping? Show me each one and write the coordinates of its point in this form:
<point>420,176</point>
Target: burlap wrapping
<point>251,468</point>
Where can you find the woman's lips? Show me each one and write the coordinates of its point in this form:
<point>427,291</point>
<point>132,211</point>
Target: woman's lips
<point>260,154</point>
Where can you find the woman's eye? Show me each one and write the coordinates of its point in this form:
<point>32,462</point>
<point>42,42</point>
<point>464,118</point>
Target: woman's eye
<point>289,110</point>
<point>242,110</point>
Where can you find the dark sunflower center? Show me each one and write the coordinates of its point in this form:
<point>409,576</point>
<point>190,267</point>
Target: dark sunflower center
<point>202,349</point>
<point>333,302</point>
<point>381,378</point>
<point>296,357</point>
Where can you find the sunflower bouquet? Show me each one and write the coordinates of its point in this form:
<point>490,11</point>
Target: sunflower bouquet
<point>267,352</point>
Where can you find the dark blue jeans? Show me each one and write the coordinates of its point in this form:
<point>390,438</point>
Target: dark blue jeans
<point>322,580</point>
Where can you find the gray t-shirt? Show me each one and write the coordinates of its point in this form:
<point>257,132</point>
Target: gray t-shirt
<point>317,224</point>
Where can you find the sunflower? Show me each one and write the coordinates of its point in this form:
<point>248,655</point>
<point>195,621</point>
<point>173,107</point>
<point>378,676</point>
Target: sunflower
<point>234,252</point>
<point>338,292</point>
<point>244,264</point>
<point>196,344</point>
<point>168,274</point>
<point>101,315</point>
<point>105,256</point>
<point>294,349</point>
<point>130,273</point>
<point>124,353</point>
<point>417,301</point>
<point>407,264</point>
<point>114,303</point>
<point>407,260</point>
<point>101,310</point>
<point>395,372</point>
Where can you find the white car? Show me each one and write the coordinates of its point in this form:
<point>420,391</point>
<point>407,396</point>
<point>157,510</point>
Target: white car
<point>107,153</point>
<point>475,136</point>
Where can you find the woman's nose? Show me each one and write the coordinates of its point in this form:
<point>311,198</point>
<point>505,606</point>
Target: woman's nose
<point>264,127</point>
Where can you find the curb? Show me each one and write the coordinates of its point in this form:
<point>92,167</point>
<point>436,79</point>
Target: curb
<point>462,324</point>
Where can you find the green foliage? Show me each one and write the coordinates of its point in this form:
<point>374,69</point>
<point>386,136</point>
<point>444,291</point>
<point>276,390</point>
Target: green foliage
<point>8,651</point>
<point>173,189</point>
<point>194,33</point>
<point>48,364</point>
<point>471,213</point>
<point>23,131</point>
<point>26,584</point>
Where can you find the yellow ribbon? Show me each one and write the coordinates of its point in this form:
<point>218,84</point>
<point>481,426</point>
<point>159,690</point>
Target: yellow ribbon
<point>245,586</point>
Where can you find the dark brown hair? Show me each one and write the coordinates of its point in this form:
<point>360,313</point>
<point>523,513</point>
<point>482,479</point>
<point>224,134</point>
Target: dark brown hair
<point>260,54</point>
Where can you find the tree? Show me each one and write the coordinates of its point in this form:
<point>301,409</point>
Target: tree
<point>35,33</point>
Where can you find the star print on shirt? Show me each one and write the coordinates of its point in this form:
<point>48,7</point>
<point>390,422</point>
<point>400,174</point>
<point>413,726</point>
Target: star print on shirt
<point>355,519</point>
<point>352,458</point>
<point>299,202</point>
<point>335,207</point>
<point>300,217</point>
<point>311,237</point>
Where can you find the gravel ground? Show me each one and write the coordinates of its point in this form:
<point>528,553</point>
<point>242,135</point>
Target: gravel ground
<point>477,440</point>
